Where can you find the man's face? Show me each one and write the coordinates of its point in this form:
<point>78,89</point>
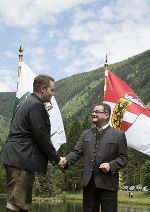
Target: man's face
<point>98,115</point>
<point>47,93</point>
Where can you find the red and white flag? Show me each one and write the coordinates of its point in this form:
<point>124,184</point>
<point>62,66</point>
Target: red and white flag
<point>129,113</point>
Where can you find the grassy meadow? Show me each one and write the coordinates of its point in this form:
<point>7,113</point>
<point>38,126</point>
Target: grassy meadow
<point>139,197</point>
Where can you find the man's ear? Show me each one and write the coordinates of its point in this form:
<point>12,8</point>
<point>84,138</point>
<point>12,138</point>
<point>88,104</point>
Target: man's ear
<point>106,115</point>
<point>43,89</point>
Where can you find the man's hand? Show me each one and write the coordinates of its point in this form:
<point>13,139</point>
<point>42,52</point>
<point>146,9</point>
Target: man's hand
<point>62,163</point>
<point>105,167</point>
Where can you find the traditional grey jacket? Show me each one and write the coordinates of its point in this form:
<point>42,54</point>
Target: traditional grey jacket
<point>111,147</point>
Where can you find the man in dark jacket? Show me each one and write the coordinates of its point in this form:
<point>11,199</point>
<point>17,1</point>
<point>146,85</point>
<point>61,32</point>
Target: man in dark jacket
<point>104,151</point>
<point>28,147</point>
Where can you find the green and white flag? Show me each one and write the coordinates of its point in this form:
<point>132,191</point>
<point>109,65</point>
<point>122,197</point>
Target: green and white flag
<point>25,88</point>
<point>25,84</point>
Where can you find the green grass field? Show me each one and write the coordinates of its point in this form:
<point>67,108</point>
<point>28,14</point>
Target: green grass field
<point>139,198</point>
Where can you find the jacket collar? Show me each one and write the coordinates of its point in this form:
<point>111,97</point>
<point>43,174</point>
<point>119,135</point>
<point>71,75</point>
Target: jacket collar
<point>33,94</point>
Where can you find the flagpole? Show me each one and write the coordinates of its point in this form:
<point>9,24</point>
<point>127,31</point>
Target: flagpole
<point>20,60</point>
<point>106,69</point>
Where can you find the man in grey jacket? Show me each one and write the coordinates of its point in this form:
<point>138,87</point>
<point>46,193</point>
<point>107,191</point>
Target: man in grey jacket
<point>28,147</point>
<point>104,151</point>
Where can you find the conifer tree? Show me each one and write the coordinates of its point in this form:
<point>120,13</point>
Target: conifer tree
<point>131,174</point>
<point>145,174</point>
<point>72,175</point>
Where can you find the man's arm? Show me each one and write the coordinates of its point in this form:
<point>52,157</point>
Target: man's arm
<point>74,155</point>
<point>122,159</point>
<point>39,127</point>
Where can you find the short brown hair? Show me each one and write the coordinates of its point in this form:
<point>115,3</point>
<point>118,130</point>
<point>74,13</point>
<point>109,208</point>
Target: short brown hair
<point>41,80</point>
<point>107,108</point>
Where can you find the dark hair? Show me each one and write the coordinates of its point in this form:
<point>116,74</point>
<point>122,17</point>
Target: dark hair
<point>41,80</point>
<point>107,108</point>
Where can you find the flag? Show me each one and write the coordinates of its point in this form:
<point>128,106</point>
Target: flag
<point>129,113</point>
<point>25,88</point>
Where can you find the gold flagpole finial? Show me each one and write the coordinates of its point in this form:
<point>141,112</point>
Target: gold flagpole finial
<point>106,69</point>
<point>20,60</point>
<point>20,54</point>
<point>106,64</point>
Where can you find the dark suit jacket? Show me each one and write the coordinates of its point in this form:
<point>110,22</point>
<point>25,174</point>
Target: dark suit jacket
<point>111,148</point>
<point>28,145</point>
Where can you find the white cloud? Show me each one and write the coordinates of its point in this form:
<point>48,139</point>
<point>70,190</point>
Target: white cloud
<point>35,51</point>
<point>8,81</point>
<point>82,64</point>
<point>32,34</point>
<point>10,54</point>
<point>94,50</point>
<point>81,35</point>
<point>119,11</point>
<point>82,15</point>
<point>121,29</point>
<point>114,16</point>
<point>64,50</point>
<point>38,65</point>
<point>54,33</point>
<point>40,50</point>
<point>28,13</point>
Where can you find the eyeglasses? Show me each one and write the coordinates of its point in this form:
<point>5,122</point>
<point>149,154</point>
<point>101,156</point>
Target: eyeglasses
<point>97,112</point>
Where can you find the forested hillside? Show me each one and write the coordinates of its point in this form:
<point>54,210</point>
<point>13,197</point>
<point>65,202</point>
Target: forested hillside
<point>78,94</point>
<point>76,97</point>
<point>7,100</point>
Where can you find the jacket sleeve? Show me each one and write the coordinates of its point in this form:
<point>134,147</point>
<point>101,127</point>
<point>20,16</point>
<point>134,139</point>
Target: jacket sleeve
<point>76,153</point>
<point>122,159</point>
<point>40,128</point>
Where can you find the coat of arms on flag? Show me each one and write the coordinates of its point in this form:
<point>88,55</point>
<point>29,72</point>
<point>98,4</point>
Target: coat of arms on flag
<point>126,111</point>
<point>129,114</point>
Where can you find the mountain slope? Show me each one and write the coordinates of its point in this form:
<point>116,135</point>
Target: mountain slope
<point>77,95</point>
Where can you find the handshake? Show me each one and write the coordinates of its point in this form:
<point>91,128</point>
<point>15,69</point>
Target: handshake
<point>62,163</point>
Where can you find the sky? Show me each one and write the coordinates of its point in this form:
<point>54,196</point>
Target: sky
<point>66,37</point>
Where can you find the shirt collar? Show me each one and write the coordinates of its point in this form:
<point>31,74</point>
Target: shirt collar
<point>104,127</point>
